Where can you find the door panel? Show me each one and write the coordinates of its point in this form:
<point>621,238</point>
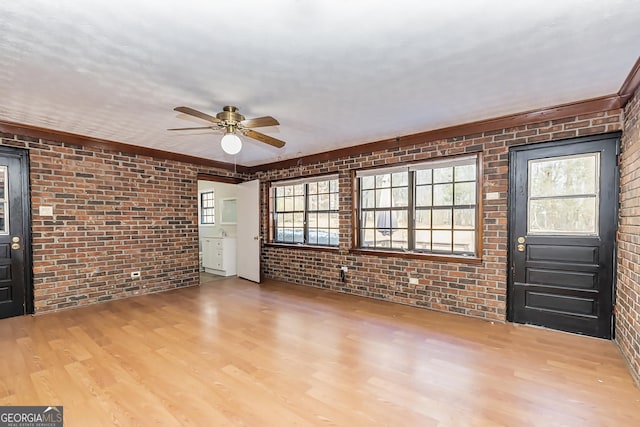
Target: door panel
<point>563,216</point>
<point>249,242</point>
<point>560,278</point>
<point>15,290</point>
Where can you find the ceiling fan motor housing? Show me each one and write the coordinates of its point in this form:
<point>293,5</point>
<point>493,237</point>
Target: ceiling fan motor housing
<point>230,115</point>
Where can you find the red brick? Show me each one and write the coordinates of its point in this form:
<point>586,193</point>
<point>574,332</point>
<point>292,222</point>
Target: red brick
<point>83,240</point>
<point>472,290</point>
<point>628,284</point>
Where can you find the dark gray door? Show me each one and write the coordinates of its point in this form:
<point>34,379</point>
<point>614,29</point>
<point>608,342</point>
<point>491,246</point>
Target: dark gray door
<point>15,286</point>
<point>563,216</point>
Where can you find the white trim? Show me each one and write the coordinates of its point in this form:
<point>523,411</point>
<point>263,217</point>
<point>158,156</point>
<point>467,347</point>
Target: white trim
<point>381,171</point>
<point>296,181</point>
<point>443,163</point>
<point>428,164</point>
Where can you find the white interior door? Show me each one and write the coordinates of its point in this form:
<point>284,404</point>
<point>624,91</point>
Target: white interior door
<point>248,235</point>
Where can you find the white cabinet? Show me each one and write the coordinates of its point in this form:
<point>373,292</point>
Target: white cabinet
<point>219,255</point>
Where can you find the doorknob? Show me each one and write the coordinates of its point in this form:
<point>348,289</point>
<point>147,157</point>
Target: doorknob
<point>520,248</point>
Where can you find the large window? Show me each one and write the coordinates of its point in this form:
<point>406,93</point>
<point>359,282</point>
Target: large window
<point>306,211</point>
<point>429,207</point>
<point>207,207</point>
<point>563,195</point>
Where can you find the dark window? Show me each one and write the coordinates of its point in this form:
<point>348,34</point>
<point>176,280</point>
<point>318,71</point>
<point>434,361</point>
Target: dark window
<point>306,212</point>
<point>430,207</point>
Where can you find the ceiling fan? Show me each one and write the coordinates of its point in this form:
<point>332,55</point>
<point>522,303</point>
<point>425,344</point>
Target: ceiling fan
<point>232,122</point>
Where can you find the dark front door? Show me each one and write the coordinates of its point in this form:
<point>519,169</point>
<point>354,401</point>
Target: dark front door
<point>563,216</point>
<point>15,288</point>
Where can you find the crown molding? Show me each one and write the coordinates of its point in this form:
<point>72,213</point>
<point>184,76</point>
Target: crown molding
<point>594,105</point>
<point>588,106</point>
<point>631,84</point>
<point>88,141</point>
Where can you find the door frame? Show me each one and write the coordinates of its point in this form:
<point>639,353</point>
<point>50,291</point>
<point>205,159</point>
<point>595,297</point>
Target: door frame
<point>237,181</point>
<point>23,156</point>
<point>511,201</point>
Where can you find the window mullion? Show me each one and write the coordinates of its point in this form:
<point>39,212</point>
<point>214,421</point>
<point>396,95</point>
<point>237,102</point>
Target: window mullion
<point>274,214</point>
<point>305,216</point>
<point>411,211</point>
<point>431,216</point>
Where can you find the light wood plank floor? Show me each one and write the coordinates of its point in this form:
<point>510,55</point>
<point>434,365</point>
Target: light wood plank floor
<point>233,353</point>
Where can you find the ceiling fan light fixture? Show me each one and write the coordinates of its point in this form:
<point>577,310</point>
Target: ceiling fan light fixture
<point>231,143</point>
<point>233,123</point>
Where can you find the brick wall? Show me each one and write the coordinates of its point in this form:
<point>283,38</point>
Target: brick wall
<point>114,213</point>
<point>472,290</point>
<point>628,290</point>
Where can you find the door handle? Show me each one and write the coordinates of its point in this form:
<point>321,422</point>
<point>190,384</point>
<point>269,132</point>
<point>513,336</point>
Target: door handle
<point>521,241</point>
<point>520,248</point>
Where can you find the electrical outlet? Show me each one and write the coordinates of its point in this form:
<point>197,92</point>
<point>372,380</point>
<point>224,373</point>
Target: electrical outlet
<point>413,280</point>
<point>343,273</point>
<point>135,274</point>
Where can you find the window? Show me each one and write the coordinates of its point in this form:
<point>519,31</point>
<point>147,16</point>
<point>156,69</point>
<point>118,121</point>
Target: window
<point>429,207</point>
<point>207,208</point>
<point>563,196</point>
<point>306,211</point>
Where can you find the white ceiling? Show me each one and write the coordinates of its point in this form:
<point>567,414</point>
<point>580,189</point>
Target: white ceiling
<point>334,73</point>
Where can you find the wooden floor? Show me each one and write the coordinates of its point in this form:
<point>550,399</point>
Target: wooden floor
<point>234,353</point>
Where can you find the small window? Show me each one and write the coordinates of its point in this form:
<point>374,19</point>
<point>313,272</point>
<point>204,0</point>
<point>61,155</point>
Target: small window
<point>430,207</point>
<point>305,211</point>
<point>207,208</point>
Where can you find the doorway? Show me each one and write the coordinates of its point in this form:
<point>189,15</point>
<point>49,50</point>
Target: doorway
<point>229,227</point>
<point>563,204</point>
<point>16,291</point>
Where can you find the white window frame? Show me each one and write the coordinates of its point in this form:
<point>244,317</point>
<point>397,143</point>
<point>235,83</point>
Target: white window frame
<point>204,211</point>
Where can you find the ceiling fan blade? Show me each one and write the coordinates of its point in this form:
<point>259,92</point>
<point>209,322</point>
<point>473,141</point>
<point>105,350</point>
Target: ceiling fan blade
<point>263,138</point>
<point>190,111</point>
<point>260,122</point>
<point>201,127</point>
